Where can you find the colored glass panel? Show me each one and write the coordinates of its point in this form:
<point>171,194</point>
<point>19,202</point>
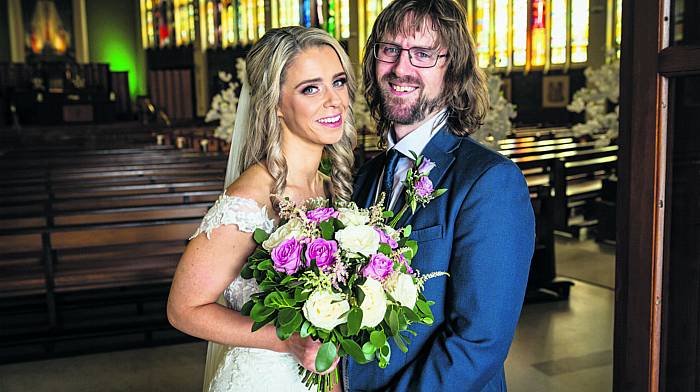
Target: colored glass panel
<point>579,31</point>
<point>260,18</point>
<point>330,24</point>
<point>483,32</point>
<point>558,32</point>
<point>307,13</point>
<point>618,27</point>
<point>538,33</point>
<point>344,18</point>
<point>500,30</point>
<point>519,32</point>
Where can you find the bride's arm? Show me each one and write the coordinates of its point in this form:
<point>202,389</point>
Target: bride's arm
<point>205,270</point>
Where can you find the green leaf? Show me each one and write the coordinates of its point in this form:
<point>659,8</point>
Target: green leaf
<point>385,249</point>
<point>305,329</point>
<point>425,308</point>
<point>394,322</point>
<point>438,192</point>
<point>388,214</point>
<point>247,307</point>
<point>354,321</point>
<point>407,230</point>
<point>369,349</point>
<point>327,230</point>
<point>284,332</point>
<point>247,272</point>
<point>265,265</point>
<point>260,236</point>
<point>399,343</point>
<point>413,245</point>
<point>287,315</point>
<point>377,338</point>
<point>259,324</point>
<point>410,315</point>
<point>354,350</point>
<point>414,205</point>
<point>360,296</point>
<point>325,357</point>
<point>300,295</point>
<point>260,312</point>
<point>279,300</point>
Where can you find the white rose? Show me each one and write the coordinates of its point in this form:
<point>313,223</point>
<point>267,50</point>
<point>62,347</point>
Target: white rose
<point>291,229</point>
<point>358,239</point>
<point>402,289</point>
<point>352,217</point>
<point>374,305</point>
<point>324,309</point>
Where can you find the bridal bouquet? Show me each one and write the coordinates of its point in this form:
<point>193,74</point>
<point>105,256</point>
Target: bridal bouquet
<point>342,275</point>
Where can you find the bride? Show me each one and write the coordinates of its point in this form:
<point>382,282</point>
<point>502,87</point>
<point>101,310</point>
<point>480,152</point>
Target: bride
<point>301,84</point>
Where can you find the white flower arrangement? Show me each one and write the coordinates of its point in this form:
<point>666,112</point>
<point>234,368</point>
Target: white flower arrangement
<point>602,86</point>
<point>497,124</point>
<point>224,104</point>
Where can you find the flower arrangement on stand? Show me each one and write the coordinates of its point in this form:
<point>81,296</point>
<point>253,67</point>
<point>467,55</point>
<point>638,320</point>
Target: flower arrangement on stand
<point>602,91</point>
<point>497,124</point>
<point>223,104</point>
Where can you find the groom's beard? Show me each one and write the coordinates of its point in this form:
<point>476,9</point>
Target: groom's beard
<point>395,109</point>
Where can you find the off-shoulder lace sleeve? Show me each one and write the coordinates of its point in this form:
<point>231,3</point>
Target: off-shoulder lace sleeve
<point>234,210</point>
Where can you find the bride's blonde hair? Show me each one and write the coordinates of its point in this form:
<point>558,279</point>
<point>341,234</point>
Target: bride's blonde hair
<point>266,66</point>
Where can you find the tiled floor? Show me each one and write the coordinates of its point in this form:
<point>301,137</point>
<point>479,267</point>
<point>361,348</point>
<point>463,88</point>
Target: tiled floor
<point>561,346</point>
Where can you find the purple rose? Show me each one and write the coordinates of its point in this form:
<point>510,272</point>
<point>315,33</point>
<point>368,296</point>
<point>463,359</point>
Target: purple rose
<point>321,214</point>
<point>386,239</point>
<point>426,166</point>
<point>286,257</point>
<point>323,251</point>
<point>403,261</point>
<point>424,187</point>
<point>379,267</point>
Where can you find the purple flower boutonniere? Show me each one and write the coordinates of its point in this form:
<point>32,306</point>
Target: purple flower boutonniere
<point>418,187</point>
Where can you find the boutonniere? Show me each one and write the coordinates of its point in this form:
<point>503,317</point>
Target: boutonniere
<point>418,189</point>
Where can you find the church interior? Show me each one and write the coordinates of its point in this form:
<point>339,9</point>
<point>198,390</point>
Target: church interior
<point>116,121</point>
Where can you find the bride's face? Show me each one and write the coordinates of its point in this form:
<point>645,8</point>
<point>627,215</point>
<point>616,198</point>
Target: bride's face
<point>314,98</point>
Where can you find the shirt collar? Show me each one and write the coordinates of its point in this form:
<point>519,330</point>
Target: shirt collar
<point>417,139</point>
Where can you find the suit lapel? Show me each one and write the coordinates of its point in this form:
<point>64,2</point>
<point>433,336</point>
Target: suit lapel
<point>440,150</point>
<point>366,182</point>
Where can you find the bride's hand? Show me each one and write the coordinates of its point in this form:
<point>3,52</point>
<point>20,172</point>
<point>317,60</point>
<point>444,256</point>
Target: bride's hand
<point>305,351</point>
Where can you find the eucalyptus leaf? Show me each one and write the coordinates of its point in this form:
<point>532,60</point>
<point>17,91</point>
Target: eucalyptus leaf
<point>377,338</point>
<point>354,350</point>
<point>385,249</point>
<point>325,357</point>
<point>354,321</point>
<point>260,236</point>
<point>369,349</point>
<point>399,343</point>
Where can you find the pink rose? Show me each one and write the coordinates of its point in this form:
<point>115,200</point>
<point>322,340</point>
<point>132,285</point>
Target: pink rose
<point>424,187</point>
<point>321,214</point>
<point>322,251</point>
<point>286,257</point>
<point>379,267</point>
<point>386,239</point>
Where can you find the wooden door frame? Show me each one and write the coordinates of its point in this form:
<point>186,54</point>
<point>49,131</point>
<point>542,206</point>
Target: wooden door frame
<point>647,63</point>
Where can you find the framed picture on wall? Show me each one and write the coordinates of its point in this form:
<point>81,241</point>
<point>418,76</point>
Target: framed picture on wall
<point>555,91</point>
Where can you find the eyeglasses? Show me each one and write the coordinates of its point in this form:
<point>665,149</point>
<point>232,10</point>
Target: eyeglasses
<point>419,57</point>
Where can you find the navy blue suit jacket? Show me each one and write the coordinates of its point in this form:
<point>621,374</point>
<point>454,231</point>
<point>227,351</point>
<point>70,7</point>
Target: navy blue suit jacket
<point>481,231</point>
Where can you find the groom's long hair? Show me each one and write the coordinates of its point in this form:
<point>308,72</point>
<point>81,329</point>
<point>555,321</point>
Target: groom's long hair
<point>266,66</point>
<point>465,91</point>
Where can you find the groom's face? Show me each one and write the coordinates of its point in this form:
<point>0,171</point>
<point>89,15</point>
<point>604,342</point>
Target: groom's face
<point>411,94</point>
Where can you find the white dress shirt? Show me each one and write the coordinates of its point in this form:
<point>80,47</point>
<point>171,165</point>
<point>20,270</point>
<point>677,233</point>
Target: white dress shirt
<point>415,141</point>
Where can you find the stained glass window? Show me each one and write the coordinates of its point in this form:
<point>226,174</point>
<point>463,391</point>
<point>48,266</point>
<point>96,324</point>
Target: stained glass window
<point>519,24</point>
<point>618,27</point>
<point>501,24</point>
<point>538,33</point>
<point>558,32</point>
<point>579,31</point>
<point>483,32</point>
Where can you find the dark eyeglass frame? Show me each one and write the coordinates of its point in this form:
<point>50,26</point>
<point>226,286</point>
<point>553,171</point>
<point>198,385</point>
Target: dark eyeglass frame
<point>375,50</point>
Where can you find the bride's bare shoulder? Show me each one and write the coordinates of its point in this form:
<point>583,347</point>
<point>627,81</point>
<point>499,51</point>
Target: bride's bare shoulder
<point>255,183</point>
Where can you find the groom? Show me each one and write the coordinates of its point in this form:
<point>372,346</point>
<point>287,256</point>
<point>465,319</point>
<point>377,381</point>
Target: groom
<point>426,91</point>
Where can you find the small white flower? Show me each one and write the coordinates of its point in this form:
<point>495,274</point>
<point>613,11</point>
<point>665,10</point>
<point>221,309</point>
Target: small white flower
<point>324,309</point>
<point>291,229</point>
<point>353,217</point>
<point>358,239</point>
<point>402,289</point>
<point>374,305</point>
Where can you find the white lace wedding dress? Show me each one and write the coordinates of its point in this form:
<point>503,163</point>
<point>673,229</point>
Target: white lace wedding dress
<point>242,368</point>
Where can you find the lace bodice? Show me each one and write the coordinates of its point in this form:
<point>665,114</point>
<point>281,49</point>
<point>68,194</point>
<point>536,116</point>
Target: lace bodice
<point>240,368</point>
<point>248,216</point>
